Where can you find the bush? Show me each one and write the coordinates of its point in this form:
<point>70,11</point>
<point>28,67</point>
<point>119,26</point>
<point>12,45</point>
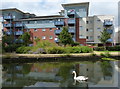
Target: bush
<point>11,47</point>
<point>44,43</point>
<point>99,48</point>
<point>85,49</point>
<point>55,50</point>
<point>78,49</point>
<point>23,49</point>
<point>115,48</point>
<point>76,44</point>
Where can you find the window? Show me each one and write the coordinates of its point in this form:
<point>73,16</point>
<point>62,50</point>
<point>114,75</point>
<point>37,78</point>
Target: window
<point>98,20</point>
<point>81,36</point>
<point>43,37</point>
<point>91,21</point>
<point>87,22</point>
<point>35,30</point>
<point>43,30</point>
<point>51,37</point>
<point>28,22</point>
<point>98,37</point>
<point>99,29</point>
<point>51,21</point>
<point>91,38</point>
<point>90,30</point>
<point>87,37</point>
<point>50,29</point>
<point>86,29</point>
<point>81,27</point>
<point>35,21</point>
<point>35,37</point>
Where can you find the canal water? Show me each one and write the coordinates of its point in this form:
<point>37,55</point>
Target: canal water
<point>59,74</point>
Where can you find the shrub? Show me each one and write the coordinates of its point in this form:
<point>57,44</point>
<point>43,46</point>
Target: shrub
<point>85,49</point>
<point>44,43</point>
<point>115,48</point>
<point>78,49</point>
<point>11,47</point>
<point>76,44</point>
<point>23,49</point>
<point>99,48</point>
<point>55,50</point>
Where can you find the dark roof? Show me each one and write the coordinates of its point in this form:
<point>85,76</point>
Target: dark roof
<point>70,4</point>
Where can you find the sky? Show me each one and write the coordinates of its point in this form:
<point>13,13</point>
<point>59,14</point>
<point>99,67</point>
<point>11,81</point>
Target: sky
<point>52,7</point>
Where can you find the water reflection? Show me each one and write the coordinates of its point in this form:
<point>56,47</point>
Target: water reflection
<point>57,74</point>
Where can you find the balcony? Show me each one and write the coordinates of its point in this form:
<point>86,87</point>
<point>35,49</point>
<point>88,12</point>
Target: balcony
<point>19,33</point>
<point>71,30</point>
<point>59,23</point>
<point>58,31</point>
<point>8,33</point>
<point>19,25</point>
<point>71,21</point>
<point>108,23</point>
<point>110,40</point>
<point>19,40</point>
<point>110,31</point>
<point>56,40</point>
<point>8,17</point>
<point>7,25</point>
<point>71,13</point>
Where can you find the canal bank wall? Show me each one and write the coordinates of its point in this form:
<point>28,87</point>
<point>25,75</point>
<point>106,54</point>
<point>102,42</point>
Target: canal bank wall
<point>21,58</point>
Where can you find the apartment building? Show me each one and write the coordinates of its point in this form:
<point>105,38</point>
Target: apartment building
<point>83,28</point>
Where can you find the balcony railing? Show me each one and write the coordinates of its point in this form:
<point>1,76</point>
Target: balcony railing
<point>71,21</point>
<point>8,33</point>
<point>110,40</point>
<point>7,25</point>
<point>19,25</point>
<point>72,12</point>
<point>19,40</point>
<point>58,31</point>
<point>8,17</point>
<point>108,23</point>
<point>19,33</point>
<point>71,30</point>
<point>56,40</point>
<point>110,31</point>
<point>59,23</point>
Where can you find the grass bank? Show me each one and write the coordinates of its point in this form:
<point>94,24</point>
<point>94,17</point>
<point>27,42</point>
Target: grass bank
<point>95,56</point>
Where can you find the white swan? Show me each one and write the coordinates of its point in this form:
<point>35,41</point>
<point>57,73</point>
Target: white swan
<point>79,78</point>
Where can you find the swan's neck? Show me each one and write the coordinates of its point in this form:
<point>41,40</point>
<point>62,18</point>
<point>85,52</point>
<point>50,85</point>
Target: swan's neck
<point>74,75</point>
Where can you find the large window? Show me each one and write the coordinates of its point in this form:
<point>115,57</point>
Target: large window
<point>43,30</point>
<point>43,37</point>
<point>35,30</point>
<point>50,29</point>
<point>51,37</point>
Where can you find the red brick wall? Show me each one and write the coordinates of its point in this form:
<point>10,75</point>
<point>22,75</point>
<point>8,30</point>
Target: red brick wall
<point>81,41</point>
<point>39,33</point>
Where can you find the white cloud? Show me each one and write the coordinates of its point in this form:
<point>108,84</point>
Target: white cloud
<point>50,7</point>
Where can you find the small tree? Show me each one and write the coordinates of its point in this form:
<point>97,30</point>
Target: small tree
<point>65,37</point>
<point>104,37</point>
<point>26,38</point>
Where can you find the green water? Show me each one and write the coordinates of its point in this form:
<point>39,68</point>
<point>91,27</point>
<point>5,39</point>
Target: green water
<point>59,74</point>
